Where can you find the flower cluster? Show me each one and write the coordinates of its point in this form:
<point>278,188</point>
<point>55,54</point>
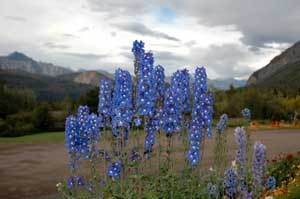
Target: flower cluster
<point>208,114</point>
<point>201,116</point>
<point>82,131</point>
<point>212,190</point>
<point>159,81</point>
<point>152,126</point>
<point>180,83</point>
<point>271,183</point>
<point>105,98</point>
<point>171,118</point>
<point>230,183</point>
<point>222,124</point>
<point>122,100</point>
<point>75,181</point>
<point>72,134</point>
<point>114,170</point>
<point>138,48</point>
<point>246,113</point>
<point>241,153</point>
<point>258,165</point>
<point>146,94</point>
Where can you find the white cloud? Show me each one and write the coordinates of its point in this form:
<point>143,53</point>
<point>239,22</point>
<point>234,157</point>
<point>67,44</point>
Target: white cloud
<point>232,40</point>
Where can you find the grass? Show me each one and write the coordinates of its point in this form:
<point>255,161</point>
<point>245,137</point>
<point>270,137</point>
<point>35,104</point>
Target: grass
<point>45,137</point>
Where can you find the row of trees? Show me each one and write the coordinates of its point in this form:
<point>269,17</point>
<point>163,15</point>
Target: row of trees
<point>21,113</point>
<point>265,103</point>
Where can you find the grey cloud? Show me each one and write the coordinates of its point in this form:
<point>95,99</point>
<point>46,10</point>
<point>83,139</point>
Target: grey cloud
<point>54,45</point>
<point>69,35</point>
<point>141,29</point>
<point>113,34</point>
<point>16,18</point>
<point>84,29</point>
<point>260,21</point>
<point>166,56</point>
<point>225,60</point>
<point>85,55</point>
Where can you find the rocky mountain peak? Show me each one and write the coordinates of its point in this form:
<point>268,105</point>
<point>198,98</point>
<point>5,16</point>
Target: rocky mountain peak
<point>289,56</point>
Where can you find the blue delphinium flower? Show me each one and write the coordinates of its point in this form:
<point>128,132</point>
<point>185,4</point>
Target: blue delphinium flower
<point>230,183</point>
<point>258,165</point>
<point>137,121</point>
<point>122,100</point>
<point>208,114</point>
<point>159,81</point>
<point>138,48</point>
<point>105,99</point>
<point>152,126</point>
<point>171,118</point>
<point>82,132</point>
<point>271,183</point>
<point>75,180</point>
<point>222,124</point>
<point>146,94</point>
<point>241,153</point>
<point>241,157</point>
<point>212,190</point>
<point>200,116</point>
<point>82,121</point>
<point>93,125</point>
<point>180,83</point>
<point>246,113</point>
<point>72,134</point>
<point>134,155</point>
<point>114,170</point>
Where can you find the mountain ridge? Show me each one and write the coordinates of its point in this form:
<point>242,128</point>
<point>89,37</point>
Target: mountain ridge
<point>19,61</point>
<point>290,56</point>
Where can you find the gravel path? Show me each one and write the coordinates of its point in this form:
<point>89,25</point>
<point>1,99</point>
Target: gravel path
<point>32,171</point>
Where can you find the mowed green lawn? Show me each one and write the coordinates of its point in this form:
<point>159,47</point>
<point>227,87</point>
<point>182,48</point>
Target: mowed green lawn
<point>46,137</point>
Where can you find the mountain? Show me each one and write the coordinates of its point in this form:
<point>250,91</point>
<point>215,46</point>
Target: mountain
<point>46,80</point>
<point>84,77</point>
<point>44,87</point>
<point>21,62</point>
<point>224,84</point>
<point>283,70</point>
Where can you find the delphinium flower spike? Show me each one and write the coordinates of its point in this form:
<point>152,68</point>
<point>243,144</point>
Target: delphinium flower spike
<point>138,51</point>
<point>153,123</point>
<point>72,140</point>
<point>230,183</point>
<point>198,122</point>
<point>105,100</point>
<point>220,149</point>
<point>270,183</point>
<point>122,100</point>
<point>82,121</point>
<point>222,124</point>
<point>258,166</point>
<point>246,113</point>
<point>171,112</point>
<point>114,170</point>
<point>146,97</point>
<point>241,157</point>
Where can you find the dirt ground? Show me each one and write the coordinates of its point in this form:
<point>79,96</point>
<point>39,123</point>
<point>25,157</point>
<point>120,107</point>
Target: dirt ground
<point>32,171</point>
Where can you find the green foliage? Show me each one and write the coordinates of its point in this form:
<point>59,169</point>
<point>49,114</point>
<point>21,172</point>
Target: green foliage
<point>45,88</point>
<point>284,168</point>
<point>41,117</point>
<point>265,103</point>
<point>13,100</point>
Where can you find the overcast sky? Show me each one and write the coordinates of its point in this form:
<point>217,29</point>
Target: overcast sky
<point>231,38</point>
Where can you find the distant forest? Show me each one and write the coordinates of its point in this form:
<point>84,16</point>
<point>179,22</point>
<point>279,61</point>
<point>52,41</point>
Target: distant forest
<point>21,113</point>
